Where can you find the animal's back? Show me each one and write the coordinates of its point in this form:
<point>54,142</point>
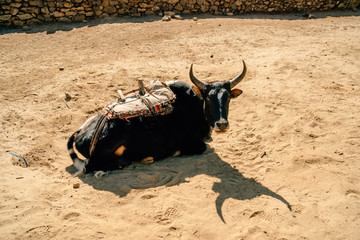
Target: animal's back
<point>161,136</point>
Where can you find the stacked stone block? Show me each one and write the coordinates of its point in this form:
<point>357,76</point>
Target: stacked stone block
<point>26,12</point>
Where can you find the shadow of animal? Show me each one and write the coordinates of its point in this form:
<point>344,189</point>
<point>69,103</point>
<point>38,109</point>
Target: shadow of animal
<point>174,171</point>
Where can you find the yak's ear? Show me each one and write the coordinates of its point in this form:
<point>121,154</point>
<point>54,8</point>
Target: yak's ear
<point>197,91</point>
<point>236,92</point>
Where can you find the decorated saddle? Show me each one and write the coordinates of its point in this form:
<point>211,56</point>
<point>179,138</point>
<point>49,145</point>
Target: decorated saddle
<point>156,98</point>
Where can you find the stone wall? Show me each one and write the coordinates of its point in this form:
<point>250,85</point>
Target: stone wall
<point>25,12</point>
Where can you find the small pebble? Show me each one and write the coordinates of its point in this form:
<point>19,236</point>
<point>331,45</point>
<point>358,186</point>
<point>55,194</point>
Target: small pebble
<point>61,68</point>
<point>178,17</point>
<point>76,185</point>
<point>67,96</point>
<point>308,16</point>
<point>166,18</point>
<point>195,18</point>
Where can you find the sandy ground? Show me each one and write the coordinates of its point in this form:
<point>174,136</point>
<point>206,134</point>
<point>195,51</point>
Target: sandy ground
<point>288,168</point>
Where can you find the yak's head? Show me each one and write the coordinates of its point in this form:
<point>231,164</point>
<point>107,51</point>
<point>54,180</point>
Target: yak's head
<point>217,97</point>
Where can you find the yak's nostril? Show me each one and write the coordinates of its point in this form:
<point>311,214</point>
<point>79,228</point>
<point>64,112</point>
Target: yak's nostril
<point>222,125</point>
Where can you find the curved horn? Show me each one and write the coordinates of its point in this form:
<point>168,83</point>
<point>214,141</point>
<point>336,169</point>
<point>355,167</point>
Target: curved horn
<point>196,81</point>
<point>237,79</point>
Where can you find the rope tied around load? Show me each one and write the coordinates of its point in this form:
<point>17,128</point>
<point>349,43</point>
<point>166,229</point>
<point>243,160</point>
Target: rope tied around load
<point>156,98</point>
